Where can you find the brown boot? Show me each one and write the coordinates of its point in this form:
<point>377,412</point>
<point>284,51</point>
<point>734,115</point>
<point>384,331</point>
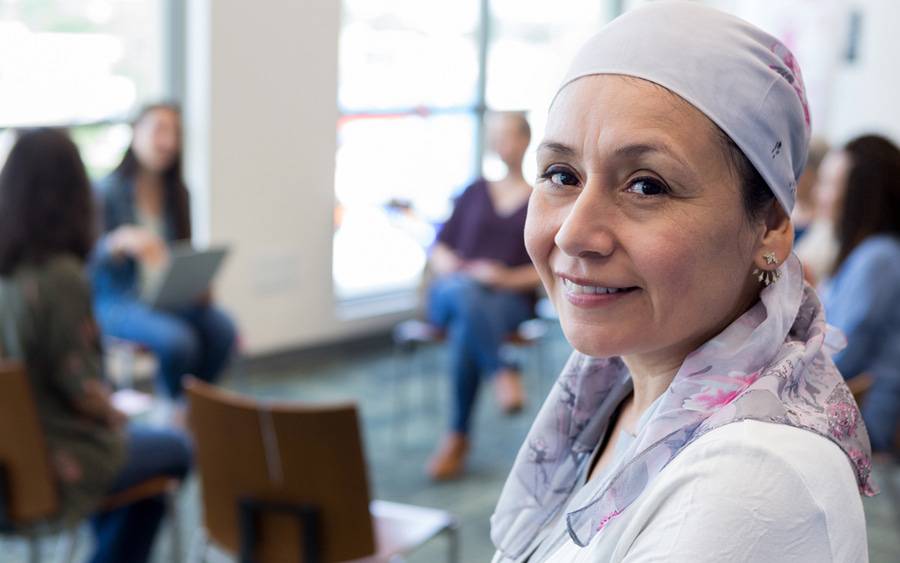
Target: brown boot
<point>449,460</point>
<point>509,391</point>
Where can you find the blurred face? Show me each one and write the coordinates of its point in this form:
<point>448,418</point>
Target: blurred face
<point>157,139</point>
<point>506,138</point>
<point>831,185</point>
<point>636,224</point>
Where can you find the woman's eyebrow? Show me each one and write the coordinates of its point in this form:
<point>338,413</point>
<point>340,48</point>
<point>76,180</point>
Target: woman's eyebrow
<point>632,151</point>
<point>558,148</point>
<point>638,150</point>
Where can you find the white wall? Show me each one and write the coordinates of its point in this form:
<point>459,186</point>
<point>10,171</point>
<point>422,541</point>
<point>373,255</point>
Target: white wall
<point>866,93</point>
<point>260,115</point>
<point>846,98</point>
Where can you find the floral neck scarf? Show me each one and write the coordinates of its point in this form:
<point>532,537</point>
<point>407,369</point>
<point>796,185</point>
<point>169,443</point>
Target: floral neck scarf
<point>772,364</point>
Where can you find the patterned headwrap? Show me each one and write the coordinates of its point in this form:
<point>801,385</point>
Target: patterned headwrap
<point>743,79</point>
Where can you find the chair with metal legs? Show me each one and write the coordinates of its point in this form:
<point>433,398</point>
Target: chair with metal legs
<point>413,336</point>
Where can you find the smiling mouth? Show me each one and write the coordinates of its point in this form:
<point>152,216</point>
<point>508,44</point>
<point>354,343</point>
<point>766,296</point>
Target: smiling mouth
<point>573,288</point>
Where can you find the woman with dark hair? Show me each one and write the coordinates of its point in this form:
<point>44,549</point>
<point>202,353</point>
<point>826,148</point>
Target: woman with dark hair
<point>146,210</point>
<point>862,297</point>
<point>46,232</point>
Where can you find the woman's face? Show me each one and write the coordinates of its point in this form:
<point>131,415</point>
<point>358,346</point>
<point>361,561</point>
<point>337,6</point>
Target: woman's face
<point>507,138</point>
<point>157,139</point>
<point>831,185</point>
<point>635,194</point>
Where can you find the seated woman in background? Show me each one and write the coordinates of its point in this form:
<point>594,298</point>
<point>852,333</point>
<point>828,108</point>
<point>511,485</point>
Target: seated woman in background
<point>483,288</point>
<point>862,298</point>
<point>145,210</point>
<point>701,418</point>
<point>46,231</point>
<point>819,247</point>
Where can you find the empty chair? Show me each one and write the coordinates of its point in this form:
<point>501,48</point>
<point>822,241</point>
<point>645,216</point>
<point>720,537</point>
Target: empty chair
<point>284,482</point>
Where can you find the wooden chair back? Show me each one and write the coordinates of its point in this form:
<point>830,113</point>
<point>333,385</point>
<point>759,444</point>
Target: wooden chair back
<point>280,455</point>
<point>25,469</point>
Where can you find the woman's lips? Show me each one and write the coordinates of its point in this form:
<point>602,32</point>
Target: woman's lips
<point>589,294</point>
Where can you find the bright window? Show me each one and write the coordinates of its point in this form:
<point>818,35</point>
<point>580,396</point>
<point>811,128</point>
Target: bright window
<point>85,64</point>
<point>416,77</point>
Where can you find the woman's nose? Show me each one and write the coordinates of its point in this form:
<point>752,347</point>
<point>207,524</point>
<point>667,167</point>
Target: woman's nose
<point>587,230</point>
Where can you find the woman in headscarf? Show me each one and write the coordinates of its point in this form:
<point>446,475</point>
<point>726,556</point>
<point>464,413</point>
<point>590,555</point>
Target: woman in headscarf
<point>701,417</point>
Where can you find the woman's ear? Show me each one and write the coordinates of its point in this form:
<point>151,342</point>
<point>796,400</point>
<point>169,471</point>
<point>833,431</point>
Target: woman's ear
<point>777,240</point>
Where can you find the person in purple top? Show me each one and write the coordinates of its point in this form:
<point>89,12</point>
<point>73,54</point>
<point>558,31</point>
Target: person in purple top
<point>484,287</point>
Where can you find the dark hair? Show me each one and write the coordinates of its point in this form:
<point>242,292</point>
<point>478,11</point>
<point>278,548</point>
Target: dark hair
<point>46,207</point>
<point>871,201</point>
<point>177,200</point>
<point>756,194</point>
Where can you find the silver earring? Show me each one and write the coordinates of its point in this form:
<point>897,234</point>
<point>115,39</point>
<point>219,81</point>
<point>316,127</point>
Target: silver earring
<point>768,277</point>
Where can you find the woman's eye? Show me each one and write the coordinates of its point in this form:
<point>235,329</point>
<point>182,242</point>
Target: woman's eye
<point>647,187</point>
<point>560,177</point>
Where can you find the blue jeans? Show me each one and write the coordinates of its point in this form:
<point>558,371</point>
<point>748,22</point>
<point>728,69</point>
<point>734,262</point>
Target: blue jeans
<point>881,409</point>
<point>477,320</point>
<point>197,341</point>
<point>127,533</point>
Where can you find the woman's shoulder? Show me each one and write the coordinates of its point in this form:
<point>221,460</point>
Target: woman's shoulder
<point>111,184</point>
<point>784,469</point>
<point>766,488</point>
<point>478,188</point>
<point>876,251</point>
<point>794,449</point>
<point>60,275</point>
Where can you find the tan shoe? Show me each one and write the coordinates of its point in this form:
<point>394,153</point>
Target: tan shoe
<point>449,461</point>
<point>509,391</point>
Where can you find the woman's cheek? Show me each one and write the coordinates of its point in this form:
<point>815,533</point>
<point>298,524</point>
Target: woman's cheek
<point>538,238</point>
<point>541,226</point>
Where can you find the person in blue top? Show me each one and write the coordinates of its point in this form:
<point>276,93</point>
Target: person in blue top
<point>145,209</point>
<point>862,297</point>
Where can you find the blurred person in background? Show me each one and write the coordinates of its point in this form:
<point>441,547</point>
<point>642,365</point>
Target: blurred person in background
<point>804,213</point>
<point>46,233</point>
<point>483,288</point>
<point>862,297</point>
<point>819,246</point>
<point>145,210</point>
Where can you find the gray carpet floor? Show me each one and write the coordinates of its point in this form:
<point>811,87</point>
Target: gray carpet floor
<point>402,423</point>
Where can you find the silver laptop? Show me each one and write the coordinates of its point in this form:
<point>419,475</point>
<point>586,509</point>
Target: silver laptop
<point>187,276</point>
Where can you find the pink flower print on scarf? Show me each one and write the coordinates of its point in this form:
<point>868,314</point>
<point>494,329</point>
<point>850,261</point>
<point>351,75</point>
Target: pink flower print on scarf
<point>712,399</point>
<point>842,413</point>
<point>772,364</point>
<point>791,72</point>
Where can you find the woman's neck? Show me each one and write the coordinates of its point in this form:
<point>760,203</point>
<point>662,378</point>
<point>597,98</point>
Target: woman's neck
<point>514,173</point>
<point>650,379</point>
<point>148,187</point>
<point>652,373</point>
<point>148,177</point>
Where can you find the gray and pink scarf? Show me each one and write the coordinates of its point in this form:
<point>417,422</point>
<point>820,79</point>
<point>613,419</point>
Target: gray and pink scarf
<point>772,364</point>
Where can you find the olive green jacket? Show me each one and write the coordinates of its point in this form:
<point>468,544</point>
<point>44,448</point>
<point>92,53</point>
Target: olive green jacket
<point>46,320</point>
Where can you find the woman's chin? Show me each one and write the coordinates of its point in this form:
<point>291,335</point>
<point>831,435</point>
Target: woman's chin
<point>596,345</point>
